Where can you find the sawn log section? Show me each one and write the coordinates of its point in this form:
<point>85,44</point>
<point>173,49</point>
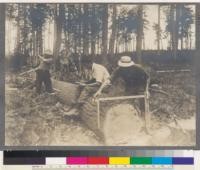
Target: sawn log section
<point>90,112</point>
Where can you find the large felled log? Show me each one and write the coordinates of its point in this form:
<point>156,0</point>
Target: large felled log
<point>67,92</point>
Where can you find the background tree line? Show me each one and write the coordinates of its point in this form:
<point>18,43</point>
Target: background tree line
<point>97,28</point>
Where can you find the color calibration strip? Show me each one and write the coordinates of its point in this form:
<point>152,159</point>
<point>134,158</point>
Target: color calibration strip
<point>130,160</point>
<point>100,161</point>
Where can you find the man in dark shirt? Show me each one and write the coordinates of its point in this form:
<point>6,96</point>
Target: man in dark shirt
<point>43,74</point>
<point>133,75</point>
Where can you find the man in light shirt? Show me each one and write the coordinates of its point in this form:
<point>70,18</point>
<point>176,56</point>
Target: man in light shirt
<point>98,77</point>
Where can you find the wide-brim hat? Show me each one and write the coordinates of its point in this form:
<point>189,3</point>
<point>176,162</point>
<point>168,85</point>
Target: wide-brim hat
<point>125,61</point>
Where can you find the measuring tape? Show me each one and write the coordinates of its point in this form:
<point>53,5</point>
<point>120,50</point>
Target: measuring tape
<point>102,167</point>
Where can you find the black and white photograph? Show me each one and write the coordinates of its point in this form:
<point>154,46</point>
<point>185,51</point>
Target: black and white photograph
<point>100,74</point>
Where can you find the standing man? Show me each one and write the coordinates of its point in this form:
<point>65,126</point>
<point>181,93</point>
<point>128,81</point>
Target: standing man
<point>43,74</point>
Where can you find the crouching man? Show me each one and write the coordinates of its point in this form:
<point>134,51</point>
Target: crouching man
<point>99,78</point>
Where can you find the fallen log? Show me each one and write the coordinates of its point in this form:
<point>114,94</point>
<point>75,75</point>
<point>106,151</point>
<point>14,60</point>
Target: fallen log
<point>69,92</point>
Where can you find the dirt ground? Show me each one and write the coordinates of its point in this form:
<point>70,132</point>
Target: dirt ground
<point>32,120</point>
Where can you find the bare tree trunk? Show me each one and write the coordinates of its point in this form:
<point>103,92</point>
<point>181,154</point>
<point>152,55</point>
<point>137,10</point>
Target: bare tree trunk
<point>33,61</point>
<point>139,34</point>
<point>190,35</point>
<point>174,31</point>
<point>158,32</point>
<point>105,32</point>
<point>86,30</point>
<point>59,21</point>
<point>114,30</point>
<point>198,27</point>
<point>197,55</point>
<point>18,28</point>
<point>80,30</point>
<point>93,35</point>
<point>182,43</point>
<point>40,41</point>
<point>2,49</point>
<point>143,43</point>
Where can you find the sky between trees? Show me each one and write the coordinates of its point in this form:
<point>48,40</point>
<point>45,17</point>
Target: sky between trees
<point>150,14</point>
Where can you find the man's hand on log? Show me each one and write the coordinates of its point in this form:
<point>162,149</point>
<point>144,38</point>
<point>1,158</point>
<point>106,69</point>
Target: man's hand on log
<point>98,93</point>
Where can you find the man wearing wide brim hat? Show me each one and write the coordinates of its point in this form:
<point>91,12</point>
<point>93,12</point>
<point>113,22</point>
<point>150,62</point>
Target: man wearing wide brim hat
<point>43,74</point>
<point>125,61</point>
<point>133,75</point>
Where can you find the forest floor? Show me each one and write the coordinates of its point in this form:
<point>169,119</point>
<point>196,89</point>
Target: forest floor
<point>35,120</point>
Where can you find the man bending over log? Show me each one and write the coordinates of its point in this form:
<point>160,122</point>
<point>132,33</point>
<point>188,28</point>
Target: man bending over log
<point>133,76</point>
<point>99,77</point>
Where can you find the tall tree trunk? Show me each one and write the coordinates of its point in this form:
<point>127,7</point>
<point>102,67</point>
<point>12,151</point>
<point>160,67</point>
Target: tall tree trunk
<point>143,43</point>
<point>80,29</point>
<point>139,34</point>
<point>158,31</point>
<point>86,30</point>
<point>40,41</point>
<point>114,30</point>
<point>18,28</point>
<point>190,35</point>
<point>198,27</point>
<point>93,34</point>
<point>178,14</point>
<point>2,50</point>
<point>49,33</point>
<point>33,61</point>
<point>26,30</point>
<point>105,32</point>
<point>197,56</point>
<point>174,31</point>
<point>182,43</point>
<point>59,21</point>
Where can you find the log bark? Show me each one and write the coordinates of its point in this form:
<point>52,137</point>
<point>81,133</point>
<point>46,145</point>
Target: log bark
<point>67,92</point>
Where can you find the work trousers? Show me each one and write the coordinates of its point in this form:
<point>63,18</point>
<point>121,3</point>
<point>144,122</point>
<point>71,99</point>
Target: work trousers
<point>43,76</point>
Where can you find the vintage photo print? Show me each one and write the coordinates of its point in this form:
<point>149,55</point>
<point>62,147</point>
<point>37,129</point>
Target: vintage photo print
<point>89,74</point>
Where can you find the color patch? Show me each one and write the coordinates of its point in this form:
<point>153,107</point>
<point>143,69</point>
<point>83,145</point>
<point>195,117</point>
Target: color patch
<point>141,160</point>
<point>55,161</point>
<point>98,160</point>
<point>182,161</point>
<point>119,160</point>
<point>162,160</point>
<point>76,160</point>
